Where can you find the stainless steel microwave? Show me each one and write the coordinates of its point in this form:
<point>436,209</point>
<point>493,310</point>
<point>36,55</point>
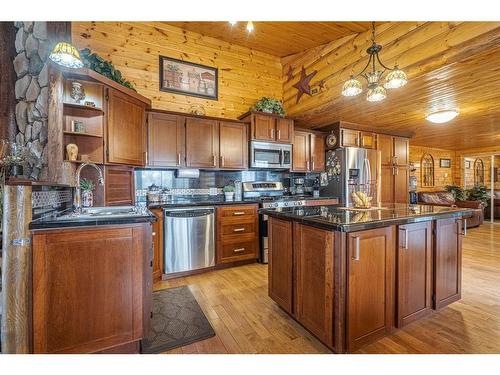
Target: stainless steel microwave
<point>270,155</point>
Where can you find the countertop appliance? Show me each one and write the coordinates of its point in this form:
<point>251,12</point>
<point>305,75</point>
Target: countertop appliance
<point>269,155</point>
<point>352,168</point>
<point>271,195</point>
<point>189,242</point>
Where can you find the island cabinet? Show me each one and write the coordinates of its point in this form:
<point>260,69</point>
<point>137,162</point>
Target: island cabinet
<point>447,262</point>
<point>414,272</point>
<point>92,288</point>
<point>370,285</point>
<point>126,129</point>
<point>314,290</point>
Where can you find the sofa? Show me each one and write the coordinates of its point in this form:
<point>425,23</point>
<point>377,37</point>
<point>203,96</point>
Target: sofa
<point>496,206</point>
<point>445,198</point>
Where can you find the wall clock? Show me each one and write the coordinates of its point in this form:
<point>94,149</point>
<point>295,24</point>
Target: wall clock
<point>331,140</point>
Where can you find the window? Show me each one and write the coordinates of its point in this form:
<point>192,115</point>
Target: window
<point>478,172</point>
<point>427,170</point>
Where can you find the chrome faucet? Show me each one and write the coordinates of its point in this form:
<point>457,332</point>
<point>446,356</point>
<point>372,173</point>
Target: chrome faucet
<point>77,201</point>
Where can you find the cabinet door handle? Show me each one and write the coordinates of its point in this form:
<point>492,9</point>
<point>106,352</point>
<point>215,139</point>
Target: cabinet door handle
<point>405,247</point>
<point>238,213</point>
<point>356,249</point>
<point>145,157</point>
<point>272,133</point>
<point>239,250</point>
<point>279,134</point>
<point>239,230</point>
<point>464,226</point>
<point>222,161</point>
<point>307,165</point>
<point>214,159</point>
<point>179,158</point>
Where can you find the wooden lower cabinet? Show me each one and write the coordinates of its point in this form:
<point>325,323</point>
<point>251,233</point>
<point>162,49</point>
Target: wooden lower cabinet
<point>370,286</point>
<point>157,228</point>
<point>91,288</point>
<point>314,290</point>
<point>414,272</point>
<point>280,267</point>
<point>447,262</point>
<point>237,233</point>
<point>119,185</point>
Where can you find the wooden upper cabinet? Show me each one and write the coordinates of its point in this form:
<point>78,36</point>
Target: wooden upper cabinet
<point>126,136</point>
<point>368,140</point>
<point>349,138</point>
<point>314,280</point>
<point>166,140</point>
<point>284,130</point>
<point>385,146</point>
<point>317,152</point>
<point>401,182</point>
<point>414,275</point>
<point>233,145</point>
<point>263,127</point>
<point>119,185</point>
<point>301,152</point>
<point>202,143</point>
<point>280,268</point>
<point>447,262</point>
<point>401,151</point>
<point>370,302</point>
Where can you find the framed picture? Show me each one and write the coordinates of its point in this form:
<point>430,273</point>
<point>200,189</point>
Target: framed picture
<point>182,77</point>
<point>445,163</point>
<point>467,164</point>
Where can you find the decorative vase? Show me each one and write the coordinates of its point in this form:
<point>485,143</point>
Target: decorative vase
<point>87,198</point>
<point>229,196</point>
<point>77,91</point>
<point>72,151</point>
<point>79,127</point>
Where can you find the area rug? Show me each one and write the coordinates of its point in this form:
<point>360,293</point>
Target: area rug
<point>177,321</point>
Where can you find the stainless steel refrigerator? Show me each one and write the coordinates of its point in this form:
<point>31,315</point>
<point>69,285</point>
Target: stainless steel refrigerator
<point>351,167</point>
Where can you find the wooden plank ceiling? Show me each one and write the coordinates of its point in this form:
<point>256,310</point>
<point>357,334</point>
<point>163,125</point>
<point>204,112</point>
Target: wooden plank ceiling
<point>276,38</point>
<point>449,64</point>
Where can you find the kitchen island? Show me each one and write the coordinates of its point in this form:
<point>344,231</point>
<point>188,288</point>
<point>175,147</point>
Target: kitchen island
<point>353,276</point>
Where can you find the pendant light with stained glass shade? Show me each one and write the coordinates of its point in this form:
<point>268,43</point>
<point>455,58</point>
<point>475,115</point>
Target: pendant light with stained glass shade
<point>376,91</point>
<point>65,54</point>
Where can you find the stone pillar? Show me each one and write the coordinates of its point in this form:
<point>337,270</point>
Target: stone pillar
<point>16,270</point>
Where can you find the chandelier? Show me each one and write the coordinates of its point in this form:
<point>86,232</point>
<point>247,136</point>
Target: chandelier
<point>376,91</point>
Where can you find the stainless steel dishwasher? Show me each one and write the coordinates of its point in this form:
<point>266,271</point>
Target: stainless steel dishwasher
<point>188,238</point>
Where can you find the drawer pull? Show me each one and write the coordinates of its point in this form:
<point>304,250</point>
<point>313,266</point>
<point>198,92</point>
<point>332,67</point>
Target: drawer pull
<point>154,233</point>
<point>239,230</point>
<point>238,213</point>
<point>239,250</point>
<point>356,249</point>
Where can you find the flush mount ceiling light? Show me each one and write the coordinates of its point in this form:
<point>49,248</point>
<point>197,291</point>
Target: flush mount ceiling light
<point>250,26</point>
<point>440,117</point>
<point>376,91</point>
<point>232,23</point>
<point>66,55</point>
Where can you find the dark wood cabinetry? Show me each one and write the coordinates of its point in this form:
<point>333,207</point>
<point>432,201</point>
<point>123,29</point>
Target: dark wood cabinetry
<point>119,184</point>
<point>269,127</point>
<point>166,140</point>
<point>90,288</point>
<point>349,138</point>
<point>202,143</point>
<point>394,152</point>
<point>126,129</point>
<point>414,272</point>
<point>233,140</point>
<point>370,287</point>
<point>237,233</point>
<point>368,140</point>
<point>314,288</point>
<point>308,152</point>
<point>157,228</point>
<point>447,262</point>
<point>280,267</point>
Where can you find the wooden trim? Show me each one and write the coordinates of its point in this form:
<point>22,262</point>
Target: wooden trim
<point>246,114</point>
<point>361,127</point>
<point>184,114</point>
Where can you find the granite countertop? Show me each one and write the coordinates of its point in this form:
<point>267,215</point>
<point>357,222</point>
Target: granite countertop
<point>59,221</point>
<point>337,218</point>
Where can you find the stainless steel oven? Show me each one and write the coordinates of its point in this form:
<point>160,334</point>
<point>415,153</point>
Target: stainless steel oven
<point>270,155</point>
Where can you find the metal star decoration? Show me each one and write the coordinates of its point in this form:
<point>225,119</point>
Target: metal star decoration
<point>289,74</point>
<point>303,85</point>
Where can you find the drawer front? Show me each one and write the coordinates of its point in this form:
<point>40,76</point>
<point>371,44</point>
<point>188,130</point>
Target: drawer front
<point>235,251</point>
<point>242,211</point>
<point>237,229</point>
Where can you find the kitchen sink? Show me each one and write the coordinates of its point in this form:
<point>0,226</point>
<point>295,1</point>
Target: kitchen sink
<point>104,212</point>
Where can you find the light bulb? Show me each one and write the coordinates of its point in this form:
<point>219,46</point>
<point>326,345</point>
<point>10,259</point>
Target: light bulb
<point>250,26</point>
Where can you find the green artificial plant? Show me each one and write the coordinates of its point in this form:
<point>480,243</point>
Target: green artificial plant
<point>87,185</point>
<point>106,68</point>
<point>478,193</point>
<point>458,193</point>
<point>228,189</point>
<point>270,105</point>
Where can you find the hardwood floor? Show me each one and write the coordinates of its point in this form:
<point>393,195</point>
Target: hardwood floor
<point>247,321</point>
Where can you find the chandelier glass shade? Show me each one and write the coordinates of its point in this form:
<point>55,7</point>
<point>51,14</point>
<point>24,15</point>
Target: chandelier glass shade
<point>66,55</point>
<point>376,91</point>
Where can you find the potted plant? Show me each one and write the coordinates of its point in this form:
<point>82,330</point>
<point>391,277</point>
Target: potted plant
<point>270,105</point>
<point>478,193</point>
<point>87,187</point>
<point>458,193</point>
<point>228,192</point>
